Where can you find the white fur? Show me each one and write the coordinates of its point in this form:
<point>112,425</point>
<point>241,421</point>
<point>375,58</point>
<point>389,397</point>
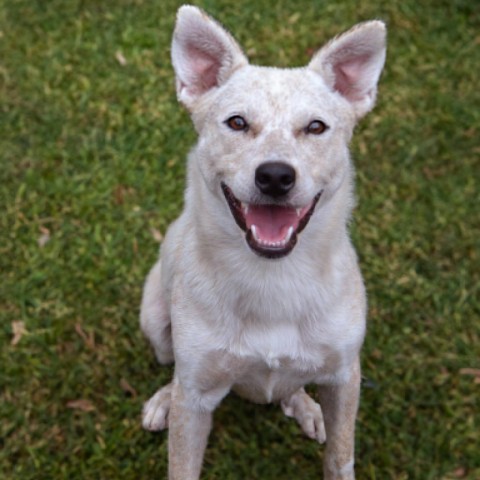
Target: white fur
<point>262,327</point>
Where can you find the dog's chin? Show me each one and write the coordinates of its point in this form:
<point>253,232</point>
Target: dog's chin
<point>271,230</point>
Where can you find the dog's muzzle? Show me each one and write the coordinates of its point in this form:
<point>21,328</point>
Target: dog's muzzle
<point>271,230</point>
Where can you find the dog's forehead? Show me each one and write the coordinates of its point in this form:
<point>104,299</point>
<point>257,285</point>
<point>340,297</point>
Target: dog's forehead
<point>286,93</point>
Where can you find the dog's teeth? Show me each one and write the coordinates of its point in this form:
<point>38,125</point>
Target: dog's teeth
<point>299,211</point>
<point>245,208</point>
<point>253,228</point>
<point>271,243</point>
<point>289,234</point>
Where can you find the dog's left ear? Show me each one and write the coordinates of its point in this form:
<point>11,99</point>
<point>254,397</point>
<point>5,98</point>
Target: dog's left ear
<point>204,54</point>
<point>351,64</point>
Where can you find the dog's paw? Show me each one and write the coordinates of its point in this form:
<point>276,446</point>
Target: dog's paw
<point>308,414</point>
<point>155,411</point>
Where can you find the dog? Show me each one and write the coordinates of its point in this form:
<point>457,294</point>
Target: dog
<point>257,289</point>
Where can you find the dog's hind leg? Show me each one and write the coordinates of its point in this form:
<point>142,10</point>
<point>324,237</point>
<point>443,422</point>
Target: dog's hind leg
<point>155,411</point>
<point>155,316</point>
<point>307,412</point>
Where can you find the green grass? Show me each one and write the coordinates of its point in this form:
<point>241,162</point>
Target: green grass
<point>92,164</point>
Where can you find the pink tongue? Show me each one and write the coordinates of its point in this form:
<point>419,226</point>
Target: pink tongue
<point>272,222</point>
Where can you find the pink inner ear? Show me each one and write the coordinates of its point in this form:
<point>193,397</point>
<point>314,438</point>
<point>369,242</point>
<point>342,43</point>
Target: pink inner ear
<point>204,70</point>
<point>349,75</point>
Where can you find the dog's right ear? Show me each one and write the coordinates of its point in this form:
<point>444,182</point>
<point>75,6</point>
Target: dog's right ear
<point>204,54</point>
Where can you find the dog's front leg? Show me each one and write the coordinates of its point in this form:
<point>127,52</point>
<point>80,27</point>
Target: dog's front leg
<point>339,405</point>
<point>189,427</point>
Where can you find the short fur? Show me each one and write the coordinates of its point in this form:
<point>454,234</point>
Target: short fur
<point>233,318</point>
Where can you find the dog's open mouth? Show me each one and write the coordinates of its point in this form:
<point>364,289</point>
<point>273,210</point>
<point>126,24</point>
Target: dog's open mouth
<point>271,230</point>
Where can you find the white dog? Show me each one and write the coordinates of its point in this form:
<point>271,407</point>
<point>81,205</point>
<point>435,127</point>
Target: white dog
<point>258,288</point>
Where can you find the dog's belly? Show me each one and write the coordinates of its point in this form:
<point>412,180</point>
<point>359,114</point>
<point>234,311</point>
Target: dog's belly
<point>263,383</point>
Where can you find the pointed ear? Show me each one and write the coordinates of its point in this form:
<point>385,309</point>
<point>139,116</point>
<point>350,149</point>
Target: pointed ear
<point>351,64</point>
<point>204,54</point>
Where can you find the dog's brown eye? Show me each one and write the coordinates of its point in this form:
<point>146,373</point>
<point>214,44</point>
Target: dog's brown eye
<point>237,123</point>
<point>316,127</point>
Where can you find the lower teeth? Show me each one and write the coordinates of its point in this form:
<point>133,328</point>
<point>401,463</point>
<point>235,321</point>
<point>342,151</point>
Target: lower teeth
<point>266,243</point>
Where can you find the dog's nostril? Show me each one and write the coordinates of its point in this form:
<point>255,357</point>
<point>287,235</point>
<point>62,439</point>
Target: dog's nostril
<point>263,179</point>
<point>274,178</point>
<point>287,180</point>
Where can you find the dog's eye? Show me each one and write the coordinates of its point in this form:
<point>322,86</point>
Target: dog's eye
<point>317,127</point>
<point>237,123</point>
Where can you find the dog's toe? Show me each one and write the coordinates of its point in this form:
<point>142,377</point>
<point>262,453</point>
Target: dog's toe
<point>155,418</point>
<point>311,422</point>
<point>320,435</point>
<point>308,414</point>
<point>156,410</point>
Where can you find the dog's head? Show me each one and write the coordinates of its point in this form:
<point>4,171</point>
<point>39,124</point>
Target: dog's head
<point>272,141</point>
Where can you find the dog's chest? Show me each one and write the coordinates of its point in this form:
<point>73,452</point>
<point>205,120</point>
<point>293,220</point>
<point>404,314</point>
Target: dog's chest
<point>274,364</point>
<point>264,379</point>
<point>277,345</point>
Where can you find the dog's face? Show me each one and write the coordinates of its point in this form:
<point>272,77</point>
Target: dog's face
<point>272,142</point>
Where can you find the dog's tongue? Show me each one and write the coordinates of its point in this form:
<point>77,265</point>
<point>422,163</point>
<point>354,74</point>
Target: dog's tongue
<point>272,221</point>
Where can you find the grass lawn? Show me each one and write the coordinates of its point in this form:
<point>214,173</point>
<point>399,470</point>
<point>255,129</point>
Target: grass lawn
<point>92,163</point>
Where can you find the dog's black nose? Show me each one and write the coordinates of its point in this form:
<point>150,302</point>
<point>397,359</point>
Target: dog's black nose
<point>274,178</point>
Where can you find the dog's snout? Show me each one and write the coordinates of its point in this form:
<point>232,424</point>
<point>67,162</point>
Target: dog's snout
<point>274,178</point>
